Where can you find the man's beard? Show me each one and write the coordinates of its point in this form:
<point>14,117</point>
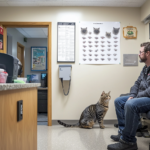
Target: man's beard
<point>143,59</point>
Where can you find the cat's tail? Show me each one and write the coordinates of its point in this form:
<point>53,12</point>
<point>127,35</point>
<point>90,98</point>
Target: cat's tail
<point>67,125</point>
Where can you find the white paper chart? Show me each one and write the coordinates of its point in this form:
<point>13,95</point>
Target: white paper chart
<point>99,42</point>
<point>66,42</point>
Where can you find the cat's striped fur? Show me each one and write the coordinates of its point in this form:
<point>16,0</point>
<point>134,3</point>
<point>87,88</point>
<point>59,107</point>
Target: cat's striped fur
<point>93,113</point>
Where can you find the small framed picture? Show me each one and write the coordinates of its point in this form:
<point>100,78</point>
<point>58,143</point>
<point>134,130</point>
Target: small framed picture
<point>38,58</point>
<point>130,32</point>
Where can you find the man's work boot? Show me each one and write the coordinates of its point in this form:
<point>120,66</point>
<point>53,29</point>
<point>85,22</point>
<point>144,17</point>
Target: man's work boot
<point>121,145</point>
<point>115,137</point>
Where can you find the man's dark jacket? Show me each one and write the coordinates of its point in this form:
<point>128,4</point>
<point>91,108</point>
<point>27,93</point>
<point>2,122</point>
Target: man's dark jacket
<point>141,87</point>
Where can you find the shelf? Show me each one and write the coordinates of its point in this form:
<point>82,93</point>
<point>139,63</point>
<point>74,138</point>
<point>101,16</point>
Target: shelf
<point>42,88</point>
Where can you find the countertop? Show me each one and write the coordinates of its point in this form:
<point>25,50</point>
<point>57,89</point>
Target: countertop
<point>13,86</point>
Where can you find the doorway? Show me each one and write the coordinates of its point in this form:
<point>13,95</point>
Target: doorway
<point>20,56</point>
<point>6,25</point>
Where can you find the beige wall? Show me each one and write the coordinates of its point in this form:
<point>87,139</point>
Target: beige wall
<point>88,81</point>
<point>145,10</point>
<point>146,27</point>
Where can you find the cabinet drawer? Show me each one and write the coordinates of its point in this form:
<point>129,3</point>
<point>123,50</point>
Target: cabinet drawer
<point>40,102</point>
<point>42,96</point>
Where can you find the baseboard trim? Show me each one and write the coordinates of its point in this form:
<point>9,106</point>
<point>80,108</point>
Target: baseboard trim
<point>54,122</point>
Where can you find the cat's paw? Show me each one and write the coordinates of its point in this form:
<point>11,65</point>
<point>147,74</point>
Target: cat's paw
<point>102,127</point>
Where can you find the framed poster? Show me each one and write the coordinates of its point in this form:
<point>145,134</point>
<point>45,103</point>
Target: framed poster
<point>66,42</point>
<point>38,58</point>
<point>130,32</point>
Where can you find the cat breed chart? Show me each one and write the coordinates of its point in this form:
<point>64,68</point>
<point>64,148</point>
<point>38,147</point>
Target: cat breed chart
<point>99,42</point>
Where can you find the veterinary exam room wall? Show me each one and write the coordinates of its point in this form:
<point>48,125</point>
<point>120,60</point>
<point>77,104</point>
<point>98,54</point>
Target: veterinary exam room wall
<point>88,81</point>
<point>145,12</point>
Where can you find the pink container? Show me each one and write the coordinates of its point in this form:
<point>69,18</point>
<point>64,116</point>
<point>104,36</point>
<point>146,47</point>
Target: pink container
<point>3,77</point>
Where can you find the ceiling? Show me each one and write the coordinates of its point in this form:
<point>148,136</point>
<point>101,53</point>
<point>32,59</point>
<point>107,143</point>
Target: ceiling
<point>107,3</point>
<point>34,32</point>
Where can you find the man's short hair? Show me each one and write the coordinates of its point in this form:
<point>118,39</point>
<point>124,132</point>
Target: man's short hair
<point>146,46</point>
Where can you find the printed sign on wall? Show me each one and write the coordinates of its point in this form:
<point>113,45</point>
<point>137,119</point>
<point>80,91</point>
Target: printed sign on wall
<point>66,42</point>
<point>130,59</point>
<point>99,42</point>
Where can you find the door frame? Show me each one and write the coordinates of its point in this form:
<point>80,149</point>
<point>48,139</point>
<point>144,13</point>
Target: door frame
<point>22,49</point>
<point>6,25</point>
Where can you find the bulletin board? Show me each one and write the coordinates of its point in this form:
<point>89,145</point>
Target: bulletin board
<point>38,58</point>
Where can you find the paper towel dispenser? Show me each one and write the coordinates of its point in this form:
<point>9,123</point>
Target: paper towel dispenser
<point>65,75</point>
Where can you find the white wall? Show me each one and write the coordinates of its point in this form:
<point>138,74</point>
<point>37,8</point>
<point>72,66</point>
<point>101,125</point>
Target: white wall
<point>33,42</point>
<point>145,10</point>
<point>16,37</point>
<point>88,81</point>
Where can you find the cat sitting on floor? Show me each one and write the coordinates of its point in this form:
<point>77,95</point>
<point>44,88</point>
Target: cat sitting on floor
<point>93,113</point>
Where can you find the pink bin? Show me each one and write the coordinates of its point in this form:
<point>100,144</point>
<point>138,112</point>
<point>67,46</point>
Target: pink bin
<point>3,77</point>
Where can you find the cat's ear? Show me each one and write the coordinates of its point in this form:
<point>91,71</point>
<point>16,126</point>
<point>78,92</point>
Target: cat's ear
<point>109,92</point>
<point>86,28</point>
<point>81,28</point>
<point>102,93</point>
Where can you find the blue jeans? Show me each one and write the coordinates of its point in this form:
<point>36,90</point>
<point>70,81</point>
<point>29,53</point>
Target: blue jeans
<point>128,114</point>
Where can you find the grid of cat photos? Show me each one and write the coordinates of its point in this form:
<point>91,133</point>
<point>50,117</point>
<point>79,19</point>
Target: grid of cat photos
<point>99,42</point>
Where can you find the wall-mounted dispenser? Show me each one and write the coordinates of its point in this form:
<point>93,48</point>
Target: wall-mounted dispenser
<point>65,75</point>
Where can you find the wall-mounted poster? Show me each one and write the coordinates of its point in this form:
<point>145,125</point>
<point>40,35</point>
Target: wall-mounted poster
<point>38,58</point>
<point>99,42</point>
<point>66,42</point>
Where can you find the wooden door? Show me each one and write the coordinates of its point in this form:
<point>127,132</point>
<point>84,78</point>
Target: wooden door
<point>20,56</point>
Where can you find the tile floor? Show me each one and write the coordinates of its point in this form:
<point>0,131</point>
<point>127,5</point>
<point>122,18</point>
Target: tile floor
<point>58,137</point>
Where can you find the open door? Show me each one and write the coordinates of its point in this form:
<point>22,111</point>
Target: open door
<point>6,25</point>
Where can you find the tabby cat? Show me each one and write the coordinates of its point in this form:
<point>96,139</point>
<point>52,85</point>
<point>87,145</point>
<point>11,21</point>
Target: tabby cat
<point>84,31</point>
<point>96,31</point>
<point>116,31</point>
<point>93,113</point>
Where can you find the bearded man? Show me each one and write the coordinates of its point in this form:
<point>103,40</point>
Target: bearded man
<point>128,108</point>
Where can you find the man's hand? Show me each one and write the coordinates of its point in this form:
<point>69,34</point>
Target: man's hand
<point>130,98</point>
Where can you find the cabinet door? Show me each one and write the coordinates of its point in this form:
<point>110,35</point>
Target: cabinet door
<point>42,106</point>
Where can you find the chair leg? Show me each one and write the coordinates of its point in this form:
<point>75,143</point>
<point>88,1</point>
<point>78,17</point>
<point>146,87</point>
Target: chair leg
<point>149,146</point>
